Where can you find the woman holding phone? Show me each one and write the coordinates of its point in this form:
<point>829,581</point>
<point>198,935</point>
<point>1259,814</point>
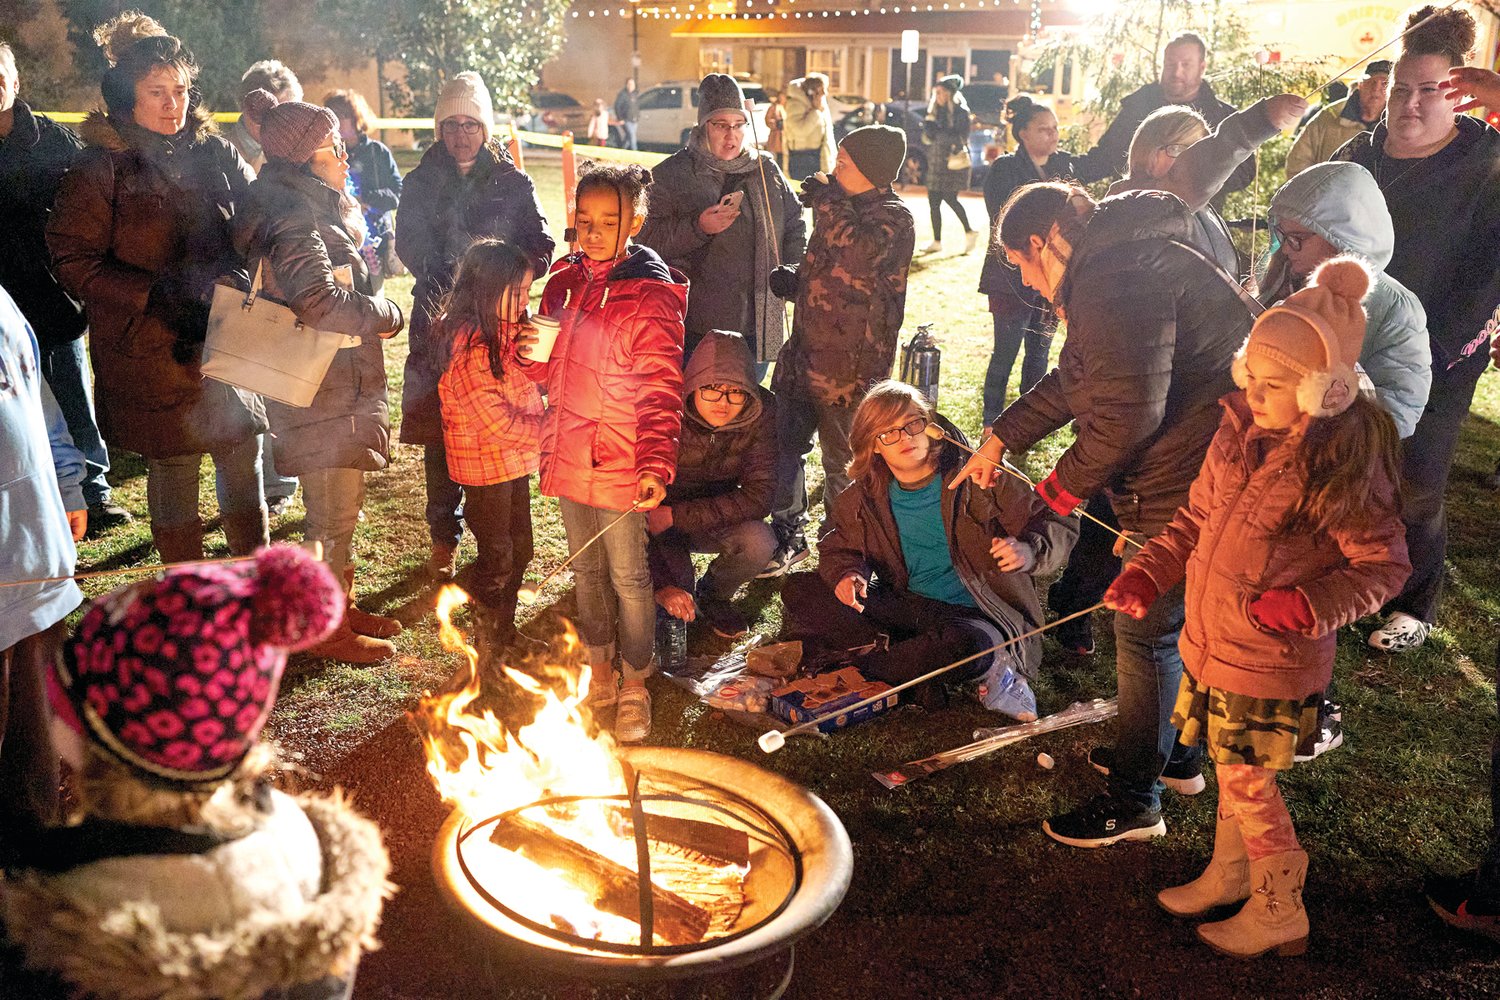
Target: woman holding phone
<point>722,212</point>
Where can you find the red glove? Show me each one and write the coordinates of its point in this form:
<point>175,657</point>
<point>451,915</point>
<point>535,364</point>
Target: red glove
<point>1282,610</point>
<point>1055,496</point>
<point>1132,593</point>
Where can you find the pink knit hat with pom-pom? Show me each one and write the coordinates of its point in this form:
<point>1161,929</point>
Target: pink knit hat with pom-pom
<point>175,676</point>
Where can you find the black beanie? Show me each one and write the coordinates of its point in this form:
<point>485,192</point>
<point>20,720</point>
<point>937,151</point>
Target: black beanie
<point>878,151</point>
<point>954,83</point>
<point>718,92</point>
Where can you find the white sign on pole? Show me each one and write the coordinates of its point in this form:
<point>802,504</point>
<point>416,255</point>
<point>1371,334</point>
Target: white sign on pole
<point>909,45</point>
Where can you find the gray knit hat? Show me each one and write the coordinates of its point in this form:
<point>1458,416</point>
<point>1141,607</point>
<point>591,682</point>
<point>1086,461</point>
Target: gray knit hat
<point>718,92</point>
<point>878,151</point>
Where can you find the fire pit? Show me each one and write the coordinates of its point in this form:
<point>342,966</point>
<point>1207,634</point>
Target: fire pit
<point>642,863</point>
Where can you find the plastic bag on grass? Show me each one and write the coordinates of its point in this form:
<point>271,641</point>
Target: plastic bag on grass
<point>1004,690</point>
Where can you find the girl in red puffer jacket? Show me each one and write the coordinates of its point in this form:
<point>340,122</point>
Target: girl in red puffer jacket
<point>614,411</point>
<point>1291,531</point>
<point>492,421</point>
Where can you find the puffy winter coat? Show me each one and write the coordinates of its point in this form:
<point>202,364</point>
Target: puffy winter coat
<point>725,475</point>
<point>33,160</point>
<point>1006,174</point>
<point>292,902</point>
<point>1341,203</point>
<point>139,233</point>
<point>863,538</point>
<point>806,127</point>
<point>1329,130</point>
<point>441,213</point>
<point>945,130</point>
<point>1110,154</point>
<point>614,380</point>
<point>292,227</point>
<point>1446,212</point>
<point>682,186</point>
<point>1225,541</point>
<point>1152,330</point>
<point>851,297</point>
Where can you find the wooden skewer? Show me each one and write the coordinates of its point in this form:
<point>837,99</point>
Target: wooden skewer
<point>529,594</point>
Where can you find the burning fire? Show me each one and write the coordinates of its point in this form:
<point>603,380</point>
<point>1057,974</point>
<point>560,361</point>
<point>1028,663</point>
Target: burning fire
<point>484,768</point>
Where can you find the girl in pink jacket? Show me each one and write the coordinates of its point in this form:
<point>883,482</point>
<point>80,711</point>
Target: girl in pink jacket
<point>1291,531</point>
<point>614,413</point>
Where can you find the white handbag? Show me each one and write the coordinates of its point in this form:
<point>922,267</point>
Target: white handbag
<point>958,160</point>
<point>260,345</point>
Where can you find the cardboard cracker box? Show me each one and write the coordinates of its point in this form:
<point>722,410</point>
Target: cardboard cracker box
<point>811,697</point>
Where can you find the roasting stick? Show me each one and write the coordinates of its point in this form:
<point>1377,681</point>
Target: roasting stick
<point>936,433</point>
<point>774,739</point>
<point>765,194</point>
<point>315,547</point>
<point>528,594</point>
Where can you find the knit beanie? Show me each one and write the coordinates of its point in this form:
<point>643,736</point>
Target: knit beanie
<point>718,92</point>
<point>174,677</point>
<point>466,95</point>
<point>255,104</point>
<point>1318,333</point>
<point>293,130</point>
<point>954,83</point>
<point>878,151</point>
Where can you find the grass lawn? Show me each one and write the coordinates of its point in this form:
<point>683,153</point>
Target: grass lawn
<point>956,892</point>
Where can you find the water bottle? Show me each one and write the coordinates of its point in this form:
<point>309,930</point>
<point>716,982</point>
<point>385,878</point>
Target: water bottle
<point>920,361</point>
<point>671,642</point>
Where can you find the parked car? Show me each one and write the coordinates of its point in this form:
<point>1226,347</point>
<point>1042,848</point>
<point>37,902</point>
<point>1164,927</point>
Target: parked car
<point>909,121</point>
<point>555,112</point>
<point>842,104</point>
<point>987,102</point>
<point>669,111</point>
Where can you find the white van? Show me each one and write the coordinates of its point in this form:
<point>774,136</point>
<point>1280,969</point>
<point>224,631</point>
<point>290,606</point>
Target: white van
<point>669,111</point>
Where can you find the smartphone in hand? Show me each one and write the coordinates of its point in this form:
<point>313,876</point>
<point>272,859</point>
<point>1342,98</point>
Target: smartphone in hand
<point>733,200</point>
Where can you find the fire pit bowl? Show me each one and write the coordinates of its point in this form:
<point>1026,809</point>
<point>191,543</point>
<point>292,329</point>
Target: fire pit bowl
<point>801,870</point>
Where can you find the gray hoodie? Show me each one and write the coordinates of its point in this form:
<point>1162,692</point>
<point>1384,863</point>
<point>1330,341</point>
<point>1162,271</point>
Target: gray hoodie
<point>1342,203</point>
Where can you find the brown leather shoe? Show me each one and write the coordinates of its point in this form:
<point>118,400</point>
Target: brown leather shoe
<point>348,646</point>
<point>363,622</point>
<point>442,562</point>
<point>178,542</point>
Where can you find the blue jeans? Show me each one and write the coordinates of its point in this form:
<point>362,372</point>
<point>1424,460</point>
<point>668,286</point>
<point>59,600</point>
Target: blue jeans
<point>612,580</point>
<point>172,484</point>
<point>445,498</point>
<point>796,422</point>
<point>333,498</point>
<point>1148,668</point>
<point>278,487</point>
<point>65,367</point>
<point>627,133</point>
<point>1015,326</point>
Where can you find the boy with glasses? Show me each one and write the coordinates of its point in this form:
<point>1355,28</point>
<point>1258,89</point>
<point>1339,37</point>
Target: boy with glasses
<point>726,479</point>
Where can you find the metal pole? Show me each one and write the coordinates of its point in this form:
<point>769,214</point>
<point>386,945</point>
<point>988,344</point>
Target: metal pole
<point>635,44</point>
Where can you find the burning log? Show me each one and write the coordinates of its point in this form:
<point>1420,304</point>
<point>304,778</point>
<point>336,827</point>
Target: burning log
<point>615,888</point>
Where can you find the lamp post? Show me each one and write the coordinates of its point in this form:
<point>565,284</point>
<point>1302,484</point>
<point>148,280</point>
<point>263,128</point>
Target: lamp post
<point>910,48</point>
<point>635,43</point>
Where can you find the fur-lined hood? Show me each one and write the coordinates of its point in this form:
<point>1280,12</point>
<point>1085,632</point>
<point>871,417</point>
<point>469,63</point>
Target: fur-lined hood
<point>106,132</point>
<point>127,954</point>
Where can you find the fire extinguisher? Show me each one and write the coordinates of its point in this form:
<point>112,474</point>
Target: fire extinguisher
<point>920,360</point>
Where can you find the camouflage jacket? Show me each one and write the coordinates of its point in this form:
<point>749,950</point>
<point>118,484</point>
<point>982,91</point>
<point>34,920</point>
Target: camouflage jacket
<point>851,297</point>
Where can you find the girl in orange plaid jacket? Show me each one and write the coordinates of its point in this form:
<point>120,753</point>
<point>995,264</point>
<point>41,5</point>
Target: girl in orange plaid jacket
<point>492,421</point>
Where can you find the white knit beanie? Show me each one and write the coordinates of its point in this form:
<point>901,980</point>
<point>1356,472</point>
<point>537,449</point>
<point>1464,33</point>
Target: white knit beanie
<point>467,95</point>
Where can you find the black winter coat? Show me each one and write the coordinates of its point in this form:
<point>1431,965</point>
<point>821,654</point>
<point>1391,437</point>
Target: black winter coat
<point>293,226</point>
<point>721,268</point>
<point>378,181</point>
<point>441,213</point>
<point>140,233</point>
<point>945,130</point>
<point>1151,332</point>
<point>33,160</point>
<point>1006,174</point>
<point>1446,212</point>
<point>1110,153</point>
<point>863,538</point>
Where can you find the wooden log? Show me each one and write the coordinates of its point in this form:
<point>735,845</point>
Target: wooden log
<point>614,888</point>
<point>715,841</point>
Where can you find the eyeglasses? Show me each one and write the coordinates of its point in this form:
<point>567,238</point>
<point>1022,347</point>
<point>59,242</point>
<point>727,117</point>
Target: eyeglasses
<point>1292,241</point>
<point>725,127</point>
<point>1174,149</point>
<point>337,148</point>
<point>912,428</point>
<point>453,127</point>
<point>713,393</point>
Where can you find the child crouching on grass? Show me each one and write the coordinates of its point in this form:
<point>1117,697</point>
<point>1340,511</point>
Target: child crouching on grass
<point>614,412</point>
<point>1291,531</point>
<point>492,422</point>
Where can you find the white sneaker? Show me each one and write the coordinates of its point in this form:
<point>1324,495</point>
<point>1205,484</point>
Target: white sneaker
<point>633,714</point>
<point>971,240</point>
<point>933,247</point>
<point>1399,633</point>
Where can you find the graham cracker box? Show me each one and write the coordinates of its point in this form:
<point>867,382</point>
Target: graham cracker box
<point>811,697</point>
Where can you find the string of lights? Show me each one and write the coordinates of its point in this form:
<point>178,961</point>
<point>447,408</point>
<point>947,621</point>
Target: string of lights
<point>691,12</point>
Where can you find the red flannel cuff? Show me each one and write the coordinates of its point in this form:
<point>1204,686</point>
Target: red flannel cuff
<point>1056,497</point>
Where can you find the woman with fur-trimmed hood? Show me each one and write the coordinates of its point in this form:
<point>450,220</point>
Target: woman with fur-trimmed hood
<point>140,233</point>
<point>184,874</point>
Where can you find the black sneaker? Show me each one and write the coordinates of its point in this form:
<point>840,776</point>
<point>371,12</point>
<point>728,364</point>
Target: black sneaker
<point>1104,820</point>
<point>1185,777</point>
<point>1076,636</point>
<point>1456,900</point>
<point>277,506</point>
<point>787,555</point>
<point>721,616</point>
<point>1330,734</point>
<point>106,515</point>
